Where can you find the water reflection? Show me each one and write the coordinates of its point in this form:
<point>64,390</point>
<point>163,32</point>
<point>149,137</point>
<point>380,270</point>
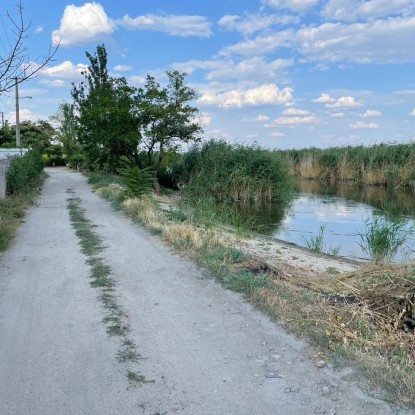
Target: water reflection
<point>343,210</point>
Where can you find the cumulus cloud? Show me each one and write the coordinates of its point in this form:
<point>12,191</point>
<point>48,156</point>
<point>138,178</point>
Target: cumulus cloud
<point>295,5</point>
<point>295,111</point>
<point>255,22</point>
<point>344,102</point>
<point>204,118</point>
<point>337,114</point>
<point>324,99</point>
<point>412,113</point>
<point>122,68</point>
<point>38,29</point>
<point>66,70</point>
<point>174,25</point>
<point>262,118</point>
<point>351,10</point>
<point>361,124</point>
<point>82,24</point>
<point>268,94</point>
<point>371,114</point>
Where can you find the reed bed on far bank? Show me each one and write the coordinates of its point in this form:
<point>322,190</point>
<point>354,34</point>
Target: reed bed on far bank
<point>381,164</point>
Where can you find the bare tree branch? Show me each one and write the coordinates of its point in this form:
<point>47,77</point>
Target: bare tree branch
<point>15,64</point>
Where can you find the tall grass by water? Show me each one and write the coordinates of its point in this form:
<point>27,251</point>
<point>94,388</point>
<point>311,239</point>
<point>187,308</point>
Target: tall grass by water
<point>381,164</point>
<point>382,239</point>
<point>236,173</point>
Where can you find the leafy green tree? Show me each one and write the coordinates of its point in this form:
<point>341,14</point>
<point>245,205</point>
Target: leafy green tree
<point>7,136</point>
<point>68,132</point>
<point>167,119</point>
<point>107,127</point>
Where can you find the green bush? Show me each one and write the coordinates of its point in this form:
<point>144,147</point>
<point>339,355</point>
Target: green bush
<point>23,171</point>
<point>137,181</point>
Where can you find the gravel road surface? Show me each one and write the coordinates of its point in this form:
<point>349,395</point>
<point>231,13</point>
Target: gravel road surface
<point>202,349</point>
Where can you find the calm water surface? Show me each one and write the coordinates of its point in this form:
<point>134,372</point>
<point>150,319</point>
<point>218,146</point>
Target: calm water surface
<point>343,210</point>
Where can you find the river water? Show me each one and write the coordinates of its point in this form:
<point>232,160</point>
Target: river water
<point>342,210</point>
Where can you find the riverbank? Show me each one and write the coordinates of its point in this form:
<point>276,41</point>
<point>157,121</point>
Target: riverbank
<point>349,313</point>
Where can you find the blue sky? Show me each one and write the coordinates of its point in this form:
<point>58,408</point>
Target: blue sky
<point>281,73</point>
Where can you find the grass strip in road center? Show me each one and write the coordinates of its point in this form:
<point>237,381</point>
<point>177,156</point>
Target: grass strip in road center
<point>100,274</point>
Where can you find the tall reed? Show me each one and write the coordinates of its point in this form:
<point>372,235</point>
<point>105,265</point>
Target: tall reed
<point>381,164</point>
<point>382,239</point>
<point>236,173</point>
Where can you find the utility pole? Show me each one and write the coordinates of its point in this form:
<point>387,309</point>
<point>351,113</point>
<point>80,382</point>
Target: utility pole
<point>17,116</point>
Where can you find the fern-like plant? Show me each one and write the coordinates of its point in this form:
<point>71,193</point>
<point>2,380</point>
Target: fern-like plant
<point>137,182</point>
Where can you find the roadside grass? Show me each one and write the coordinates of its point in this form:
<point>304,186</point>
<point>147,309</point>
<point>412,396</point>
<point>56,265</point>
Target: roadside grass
<point>13,210</point>
<point>116,319</point>
<point>365,318</point>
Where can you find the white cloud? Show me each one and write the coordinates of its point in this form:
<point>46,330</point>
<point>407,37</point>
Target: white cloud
<point>183,26</point>
<point>24,115</point>
<point>253,68</point>
<point>255,22</point>
<point>82,24</point>
<point>324,99</point>
<point>291,121</point>
<point>66,70</point>
<point>370,114</point>
<point>361,124</point>
<point>204,118</point>
<point>261,45</point>
<point>122,68</point>
<point>344,102</point>
<point>351,10</point>
<point>378,41</point>
<point>295,5</point>
<point>268,94</point>
<point>295,111</point>
<point>412,113</point>
<point>262,118</point>
<point>38,29</point>
<point>337,114</point>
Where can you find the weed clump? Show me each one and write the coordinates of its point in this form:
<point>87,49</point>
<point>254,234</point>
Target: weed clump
<point>382,240</point>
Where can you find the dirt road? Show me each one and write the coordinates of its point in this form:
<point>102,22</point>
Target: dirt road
<point>193,347</point>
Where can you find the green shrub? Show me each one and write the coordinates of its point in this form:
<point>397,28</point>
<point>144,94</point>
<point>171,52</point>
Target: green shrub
<point>137,181</point>
<point>23,171</point>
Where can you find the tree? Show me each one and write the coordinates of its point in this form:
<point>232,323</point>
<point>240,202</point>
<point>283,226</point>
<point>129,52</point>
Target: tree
<point>107,126</point>
<point>67,132</point>
<point>166,117</point>
<point>15,65</point>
